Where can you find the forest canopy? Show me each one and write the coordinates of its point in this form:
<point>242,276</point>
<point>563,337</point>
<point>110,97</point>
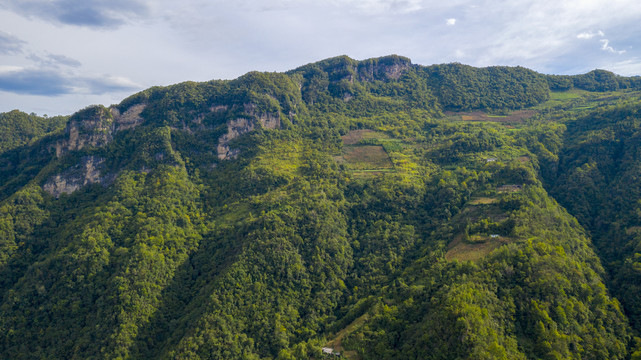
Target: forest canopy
<point>377,209</point>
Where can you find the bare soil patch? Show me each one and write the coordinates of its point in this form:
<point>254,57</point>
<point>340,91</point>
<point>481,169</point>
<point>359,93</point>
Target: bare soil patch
<point>354,136</point>
<point>369,157</point>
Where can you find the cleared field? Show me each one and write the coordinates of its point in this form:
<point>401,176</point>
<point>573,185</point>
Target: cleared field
<point>509,188</point>
<point>354,136</point>
<point>366,161</point>
<point>564,95</point>
<point>336,342</point>
<point>369,157</point>
<point>462,250</point>
<point>483,201</point>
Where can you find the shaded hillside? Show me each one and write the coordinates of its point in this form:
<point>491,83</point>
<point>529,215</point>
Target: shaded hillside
<point>597,180</point>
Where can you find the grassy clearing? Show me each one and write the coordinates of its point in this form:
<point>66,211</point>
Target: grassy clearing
<point>282,159</point>
<point>565,95</point>
<point>483,201</point>
<point>354,136</point>
<point>462,250</point>
<point>335,343</point>
<point>559,98</point>
<point>369,157</point>
<point>367,160</point>
<point>581,100</point>
<point>233,213</point>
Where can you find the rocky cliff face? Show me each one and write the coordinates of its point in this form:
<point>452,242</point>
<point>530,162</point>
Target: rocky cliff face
<point>242,125</point>
<point>92,126</point>
<point>87,171</point>
<point>96,125</point>
<point>129,119</point>
<point>386,68</point>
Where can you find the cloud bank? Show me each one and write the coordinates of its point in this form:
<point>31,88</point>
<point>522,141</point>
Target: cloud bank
<point>51,82</point>
<point>10,44</point>
<point>90,13</point>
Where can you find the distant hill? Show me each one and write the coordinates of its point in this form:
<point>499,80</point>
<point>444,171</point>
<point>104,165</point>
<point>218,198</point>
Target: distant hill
<point>18,128</point>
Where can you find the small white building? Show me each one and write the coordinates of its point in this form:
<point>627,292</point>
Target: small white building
<point>330,351</point>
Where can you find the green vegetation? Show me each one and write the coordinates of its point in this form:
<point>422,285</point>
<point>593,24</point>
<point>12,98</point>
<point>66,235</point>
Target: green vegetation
<point>382,209</point>
<point>18,128</point>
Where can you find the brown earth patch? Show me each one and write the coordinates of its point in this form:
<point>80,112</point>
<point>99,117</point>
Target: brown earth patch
<point>370,157</point>
<point>354,136</point>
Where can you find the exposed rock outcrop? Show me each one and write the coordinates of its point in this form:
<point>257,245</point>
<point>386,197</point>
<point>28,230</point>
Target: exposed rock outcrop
<point>95,126</point>
<point>386,68</point>
<point>243,125</point>
<point>87,171</point>
<point>92,126</point>
<point>235,128</point>
<point>129,119</point>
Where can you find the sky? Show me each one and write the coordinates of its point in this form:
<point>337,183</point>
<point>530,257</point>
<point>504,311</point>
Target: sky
<point>59,56</point>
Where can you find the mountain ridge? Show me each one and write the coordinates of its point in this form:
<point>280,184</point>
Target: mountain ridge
<point>262,216</point>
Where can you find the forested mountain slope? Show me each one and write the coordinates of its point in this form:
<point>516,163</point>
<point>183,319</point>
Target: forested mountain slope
<point>379,208</point>
<point>18,128</point>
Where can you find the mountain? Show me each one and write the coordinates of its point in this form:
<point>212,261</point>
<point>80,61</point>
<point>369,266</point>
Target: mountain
<point>376,208</point>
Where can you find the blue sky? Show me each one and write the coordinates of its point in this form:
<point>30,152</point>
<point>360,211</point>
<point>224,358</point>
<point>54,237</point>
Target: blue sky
<point>58,56</point>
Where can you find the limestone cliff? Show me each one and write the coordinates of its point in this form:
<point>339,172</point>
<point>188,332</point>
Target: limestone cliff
<point>129,119</point>
<point>96,125</point>
<point>92,126</point>
<point>87,171</point>
<point>385,68</point>
<point>241,125</point>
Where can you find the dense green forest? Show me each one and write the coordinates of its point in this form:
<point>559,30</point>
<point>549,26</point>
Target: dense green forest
<point>18,128</point>
<point>377,209</point>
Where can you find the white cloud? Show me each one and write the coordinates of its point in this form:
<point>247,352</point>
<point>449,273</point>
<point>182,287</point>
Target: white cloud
<point>101,84</point>
<point>590,35</point>
<point>90,13</point>
<point>8,68</point>
<point>450,22</point>
<point>628,67</point>
<point>605,46</point>
<point>383,6</point>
